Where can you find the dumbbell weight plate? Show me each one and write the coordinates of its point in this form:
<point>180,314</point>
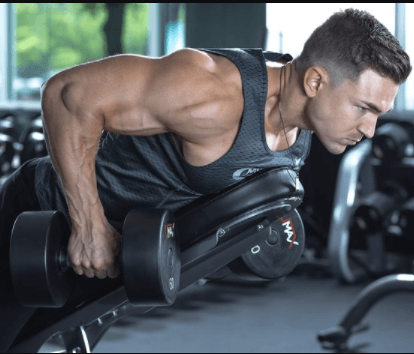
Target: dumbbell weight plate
<point>36,243</point>
<point>150,257</point>
<point>8,127</point>
<point>35,126</point>
<point>34,146</point>
<point>276,257</point>
<point>7,152</point>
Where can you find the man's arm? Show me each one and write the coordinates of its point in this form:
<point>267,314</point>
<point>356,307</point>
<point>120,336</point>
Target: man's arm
<point>131,95</point>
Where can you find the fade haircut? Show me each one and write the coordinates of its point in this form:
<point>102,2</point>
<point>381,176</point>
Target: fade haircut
<point>351,41</point>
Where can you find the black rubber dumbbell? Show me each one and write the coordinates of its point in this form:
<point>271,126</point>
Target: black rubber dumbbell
<point>7,153</point>
<point>33,147</point>
<point>41,271</point>
<point>272,259</point>
<point>36,125</point>
<point>8,126</point>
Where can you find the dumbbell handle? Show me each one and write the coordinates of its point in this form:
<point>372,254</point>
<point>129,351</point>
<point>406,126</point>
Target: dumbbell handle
<point>64,260</point>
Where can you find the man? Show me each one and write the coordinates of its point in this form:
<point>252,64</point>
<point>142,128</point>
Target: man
<point>196,121</point>
<point>188,124</point>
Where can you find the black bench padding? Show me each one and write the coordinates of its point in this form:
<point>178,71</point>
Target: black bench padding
<point>208,212</point>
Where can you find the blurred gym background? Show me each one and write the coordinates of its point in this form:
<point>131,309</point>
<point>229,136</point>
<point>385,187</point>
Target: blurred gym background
<point>356,213</point>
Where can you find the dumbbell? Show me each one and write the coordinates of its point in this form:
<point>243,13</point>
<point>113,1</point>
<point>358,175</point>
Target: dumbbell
<point>41,271</point>
<point>8,127</point>
<point>406,219</point>
<point>274,258</point>
<point>33,147</point>
<point>9,135</point>
<point>391,140</point>
<point>374,208</point>
<point>34,144</point>
<point>7,152</point>
<point>36,125</point>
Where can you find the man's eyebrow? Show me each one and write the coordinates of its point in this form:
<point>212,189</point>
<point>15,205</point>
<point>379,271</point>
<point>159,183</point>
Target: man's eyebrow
<point>374,107</point>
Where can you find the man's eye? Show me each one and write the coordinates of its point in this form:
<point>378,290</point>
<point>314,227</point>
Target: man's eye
<point>362,109</point>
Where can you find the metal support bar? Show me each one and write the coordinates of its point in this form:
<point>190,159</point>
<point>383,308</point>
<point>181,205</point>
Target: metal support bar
<point>343,207</point>
<point>76,340</point>
<point>336,338</point>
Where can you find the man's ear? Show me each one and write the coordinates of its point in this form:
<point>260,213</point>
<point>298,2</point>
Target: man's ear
<point>313,80</point>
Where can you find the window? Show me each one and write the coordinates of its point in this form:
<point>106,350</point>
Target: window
<point>51,37</point>
<point>174,27</point>
<point>409,41</point>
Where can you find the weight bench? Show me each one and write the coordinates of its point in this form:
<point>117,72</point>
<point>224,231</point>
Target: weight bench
<point>213,231</point>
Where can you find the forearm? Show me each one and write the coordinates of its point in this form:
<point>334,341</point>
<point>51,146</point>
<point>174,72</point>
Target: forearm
<point>72,140</point>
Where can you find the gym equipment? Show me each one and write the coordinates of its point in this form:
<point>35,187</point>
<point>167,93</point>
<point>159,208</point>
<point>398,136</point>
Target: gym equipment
<point>39,261</point>
<point>375,208</point>
<point>8,127</point>
<point>346,194</point>
<point>391,140</point>
<point>278,255</point>
<point>369,191</point>
<point>406,219</point>
<point>7,152</point>
<point>36,126</point>
<point>34,146</point>
<point>249,207</point>
<point>336,338</point>
<point>150,257</point>
<point>32,141</point>
<point>274,258</point>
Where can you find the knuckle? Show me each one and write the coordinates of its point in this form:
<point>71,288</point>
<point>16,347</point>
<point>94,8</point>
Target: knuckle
<point>86,264</point>
<point>99,266</point>
<point>76,263</point>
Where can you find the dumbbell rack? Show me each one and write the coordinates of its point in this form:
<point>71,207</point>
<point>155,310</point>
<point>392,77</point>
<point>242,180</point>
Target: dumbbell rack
<point>82,325</point>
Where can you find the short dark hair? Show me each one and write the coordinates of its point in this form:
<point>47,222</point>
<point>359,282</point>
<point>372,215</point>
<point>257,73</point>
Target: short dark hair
<point>351,41</point>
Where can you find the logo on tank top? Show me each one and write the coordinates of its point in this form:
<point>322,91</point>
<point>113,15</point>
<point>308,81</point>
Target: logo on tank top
<point>244,172</point>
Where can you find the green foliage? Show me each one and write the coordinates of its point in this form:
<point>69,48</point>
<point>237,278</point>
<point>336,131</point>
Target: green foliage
<point>135,33</point>
<point>53,37</point>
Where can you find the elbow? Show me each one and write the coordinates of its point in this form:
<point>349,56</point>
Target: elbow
<point>57,90</point>
<point>51,89</point>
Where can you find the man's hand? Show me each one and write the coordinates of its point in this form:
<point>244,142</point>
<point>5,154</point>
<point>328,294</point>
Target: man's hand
<point>94,250</point>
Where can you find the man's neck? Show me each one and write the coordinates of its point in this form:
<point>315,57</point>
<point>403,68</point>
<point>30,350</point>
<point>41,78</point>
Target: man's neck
<point>292,104</point>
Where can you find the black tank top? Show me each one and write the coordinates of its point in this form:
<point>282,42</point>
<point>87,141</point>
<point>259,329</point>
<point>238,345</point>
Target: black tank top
<point>140,172</point>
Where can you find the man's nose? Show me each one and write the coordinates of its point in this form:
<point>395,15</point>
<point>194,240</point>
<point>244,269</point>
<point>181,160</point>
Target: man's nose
<point>368,129</point>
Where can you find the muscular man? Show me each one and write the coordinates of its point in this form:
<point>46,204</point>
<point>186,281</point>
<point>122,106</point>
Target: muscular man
<point>192,123</point>
<point>196,121</point>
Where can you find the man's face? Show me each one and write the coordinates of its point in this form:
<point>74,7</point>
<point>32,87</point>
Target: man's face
<point>350,111</point>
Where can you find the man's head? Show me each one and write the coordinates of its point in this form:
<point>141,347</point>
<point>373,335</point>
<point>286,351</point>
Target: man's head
<point>349,72</point>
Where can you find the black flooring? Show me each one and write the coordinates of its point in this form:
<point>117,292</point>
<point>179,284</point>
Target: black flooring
<point>279,318</point>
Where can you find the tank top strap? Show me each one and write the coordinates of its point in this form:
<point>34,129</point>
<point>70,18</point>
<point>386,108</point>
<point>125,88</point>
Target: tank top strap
<point>252,69</point>
<point>272,56</point>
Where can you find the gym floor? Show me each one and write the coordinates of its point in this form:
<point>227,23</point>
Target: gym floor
<point>278,317</point>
